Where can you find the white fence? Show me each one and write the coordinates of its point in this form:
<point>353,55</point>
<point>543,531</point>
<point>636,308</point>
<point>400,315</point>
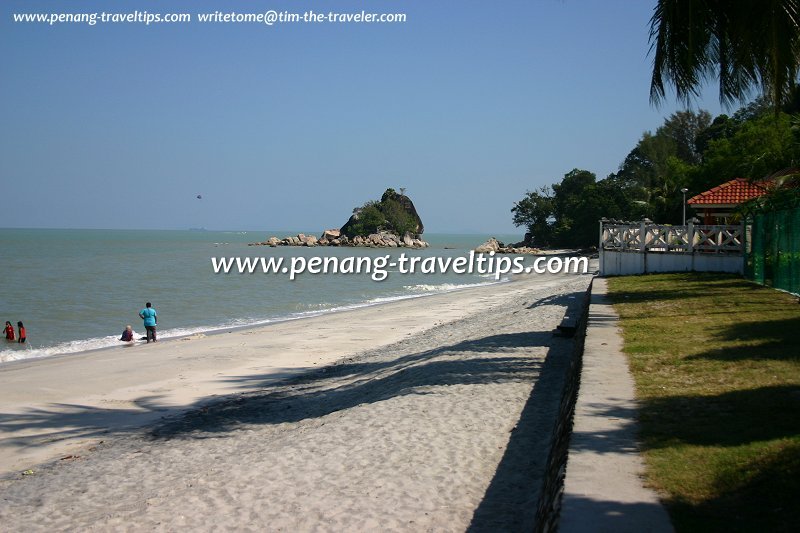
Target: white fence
<point>643,247</point>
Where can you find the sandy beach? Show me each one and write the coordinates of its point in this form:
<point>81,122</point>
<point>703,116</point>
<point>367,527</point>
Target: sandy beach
<point>431,414</point>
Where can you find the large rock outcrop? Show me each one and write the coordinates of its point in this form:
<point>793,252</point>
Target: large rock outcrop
<point>394,213</point>
<point>393,222</point>
<point>406,203</point>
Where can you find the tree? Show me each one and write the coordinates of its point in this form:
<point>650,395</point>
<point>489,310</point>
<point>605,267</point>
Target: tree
<point>366,219</point>
<point>536,212</point>
<point>570,190</point>
<point>664,162</point>
<point>757,148</point>
<point>397,218</point>
<point>666,199</point>
<point>747,44</point>
<point>647,162</point>
<point>721,127</point>
<point>568,214</point>
<point>683,128</point>
<point>606,198</point>
<point>569,195</point>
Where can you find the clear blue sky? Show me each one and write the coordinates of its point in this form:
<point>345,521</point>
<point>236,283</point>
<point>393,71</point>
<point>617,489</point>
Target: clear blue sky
<point>467,104</point>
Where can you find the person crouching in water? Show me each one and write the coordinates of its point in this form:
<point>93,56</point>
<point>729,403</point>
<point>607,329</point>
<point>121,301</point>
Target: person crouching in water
<point>127,334</point>
<point>9,331</point>
<point>22,335</point>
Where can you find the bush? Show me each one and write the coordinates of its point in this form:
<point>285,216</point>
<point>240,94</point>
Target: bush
<point>397,218</point>
<point>369,220</point>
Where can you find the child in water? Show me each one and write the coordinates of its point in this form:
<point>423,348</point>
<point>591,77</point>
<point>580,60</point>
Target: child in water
<point>127,334</point>
<point>22,336</point>
<point>9,331</point>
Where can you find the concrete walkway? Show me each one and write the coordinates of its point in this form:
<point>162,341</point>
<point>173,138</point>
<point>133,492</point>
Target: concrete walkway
<point>603,489</point>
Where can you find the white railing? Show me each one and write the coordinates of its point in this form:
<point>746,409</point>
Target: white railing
<point>644,236</point>
<point>643,247</point>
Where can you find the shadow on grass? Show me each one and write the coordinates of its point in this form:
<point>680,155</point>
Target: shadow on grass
<point>764,501</point>
<point>760,495</point>
<point>765,339</point>
<point>665,287</point>
<point>746,442</point>
<point>727,419</point>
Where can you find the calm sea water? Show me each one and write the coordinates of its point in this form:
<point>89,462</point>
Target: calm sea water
<point>76,290</point>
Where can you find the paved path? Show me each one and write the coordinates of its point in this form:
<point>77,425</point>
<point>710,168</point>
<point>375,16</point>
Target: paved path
<point>603,489</point>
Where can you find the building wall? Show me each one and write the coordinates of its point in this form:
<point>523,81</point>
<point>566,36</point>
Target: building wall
<point>622,263</point>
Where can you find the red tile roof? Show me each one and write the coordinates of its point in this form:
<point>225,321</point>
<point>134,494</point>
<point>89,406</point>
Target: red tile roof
<point>732,192</point>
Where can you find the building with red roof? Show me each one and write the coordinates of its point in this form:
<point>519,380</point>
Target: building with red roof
<point>717,205</point>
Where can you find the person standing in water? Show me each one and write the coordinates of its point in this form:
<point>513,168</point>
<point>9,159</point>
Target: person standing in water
<point>149,315</point>
<point>9,331</point>
<point>22,335</point>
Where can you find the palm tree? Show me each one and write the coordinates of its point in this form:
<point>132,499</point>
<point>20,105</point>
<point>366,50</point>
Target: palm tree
<point>747,44</point>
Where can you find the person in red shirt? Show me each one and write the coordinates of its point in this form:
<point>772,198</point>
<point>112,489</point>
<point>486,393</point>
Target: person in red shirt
<point>9,331</point>
<point>22,336</point>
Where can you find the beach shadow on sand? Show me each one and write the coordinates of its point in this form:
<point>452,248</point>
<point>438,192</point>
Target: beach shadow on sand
<point>289,397</point>
<point>491,359</point>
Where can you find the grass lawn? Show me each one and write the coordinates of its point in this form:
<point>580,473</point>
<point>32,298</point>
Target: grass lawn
<point>716,361</point>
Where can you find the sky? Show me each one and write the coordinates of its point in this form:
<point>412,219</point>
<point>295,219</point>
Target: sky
<point>466,105</point>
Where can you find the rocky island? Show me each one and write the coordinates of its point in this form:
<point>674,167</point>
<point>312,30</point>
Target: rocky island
<point>392,222</point>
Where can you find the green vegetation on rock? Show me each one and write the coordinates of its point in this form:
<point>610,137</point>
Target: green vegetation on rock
<point>394,213</point>
<point>366,219</point>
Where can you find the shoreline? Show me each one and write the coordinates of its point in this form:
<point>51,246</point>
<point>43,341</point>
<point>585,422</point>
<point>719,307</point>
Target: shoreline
<point>218,330</point>
<point>54,406</point>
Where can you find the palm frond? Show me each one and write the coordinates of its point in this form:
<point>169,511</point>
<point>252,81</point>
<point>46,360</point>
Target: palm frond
<point>747,44</point>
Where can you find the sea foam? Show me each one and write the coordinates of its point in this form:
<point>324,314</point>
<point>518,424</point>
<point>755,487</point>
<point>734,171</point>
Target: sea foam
<point>17,352</point>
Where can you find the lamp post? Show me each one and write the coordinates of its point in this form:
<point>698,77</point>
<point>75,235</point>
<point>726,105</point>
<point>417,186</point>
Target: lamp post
<point>684,191</point>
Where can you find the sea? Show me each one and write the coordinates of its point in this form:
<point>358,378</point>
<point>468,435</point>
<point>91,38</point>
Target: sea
<point>76,289</point>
